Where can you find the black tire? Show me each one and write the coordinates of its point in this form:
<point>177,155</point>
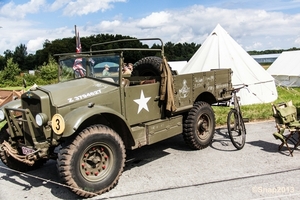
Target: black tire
<point>11,162</point>
<point>93,162</point>
<point>199,127</point>
<point>148,66</point>
<point>236,129</point>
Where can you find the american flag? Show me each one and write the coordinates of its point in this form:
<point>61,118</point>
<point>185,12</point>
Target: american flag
<point>77,66</point>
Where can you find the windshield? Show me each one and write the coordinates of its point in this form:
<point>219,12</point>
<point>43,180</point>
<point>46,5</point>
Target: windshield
<point>105,67</point>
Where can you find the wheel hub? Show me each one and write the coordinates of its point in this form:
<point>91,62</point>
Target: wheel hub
<point>203,127</point>
<point>94,162</point>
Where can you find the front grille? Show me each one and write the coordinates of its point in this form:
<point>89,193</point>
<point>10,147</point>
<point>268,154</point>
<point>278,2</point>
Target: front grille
<point>34,105</point>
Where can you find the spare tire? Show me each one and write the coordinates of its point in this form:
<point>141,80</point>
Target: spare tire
<point>148,66</point>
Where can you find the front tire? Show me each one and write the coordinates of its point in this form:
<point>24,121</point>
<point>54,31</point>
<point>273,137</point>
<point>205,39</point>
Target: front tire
<point>93,162</point>
<point>199,127</point>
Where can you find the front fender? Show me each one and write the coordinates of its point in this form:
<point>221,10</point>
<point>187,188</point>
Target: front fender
<point>13,104</point>
<point>76,117</point>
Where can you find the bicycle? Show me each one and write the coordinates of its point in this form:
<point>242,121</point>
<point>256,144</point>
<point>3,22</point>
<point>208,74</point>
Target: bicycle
<point>235,123</point>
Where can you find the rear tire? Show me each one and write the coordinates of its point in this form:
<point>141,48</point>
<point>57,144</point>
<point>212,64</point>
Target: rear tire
<point>93,162</point>
<point>199,127</point>
<point>236,129</point>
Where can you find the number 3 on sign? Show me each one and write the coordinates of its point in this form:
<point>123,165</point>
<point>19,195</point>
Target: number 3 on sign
<point>58,124</point>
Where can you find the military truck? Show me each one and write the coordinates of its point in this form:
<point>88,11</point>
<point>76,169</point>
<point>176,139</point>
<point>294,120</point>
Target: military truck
<point>87,120</point>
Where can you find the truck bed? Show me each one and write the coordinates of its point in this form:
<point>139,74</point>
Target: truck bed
<point>190,87</point>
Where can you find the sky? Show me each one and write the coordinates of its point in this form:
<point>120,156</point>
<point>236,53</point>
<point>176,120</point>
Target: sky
<point>254,24</point>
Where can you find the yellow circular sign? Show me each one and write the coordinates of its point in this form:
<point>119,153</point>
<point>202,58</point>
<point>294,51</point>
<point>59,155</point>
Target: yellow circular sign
<point>58,124</point>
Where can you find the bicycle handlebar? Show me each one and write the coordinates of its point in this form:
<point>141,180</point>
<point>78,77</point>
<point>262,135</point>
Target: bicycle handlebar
<point>237,89</point>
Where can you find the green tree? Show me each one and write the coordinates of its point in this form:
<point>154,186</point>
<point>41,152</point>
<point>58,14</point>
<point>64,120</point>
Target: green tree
<point>10,71</point>
<point>42,55</point>
<point>46,44</point>
<point>2,62</point>
<point>19,56</point>
<point>30,61</point>
<point>8,54</point>
<point>49,71</point>
<point>170,51</point>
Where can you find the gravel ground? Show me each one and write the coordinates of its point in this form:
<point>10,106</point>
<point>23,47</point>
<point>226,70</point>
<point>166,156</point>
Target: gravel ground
<point>170,170</point>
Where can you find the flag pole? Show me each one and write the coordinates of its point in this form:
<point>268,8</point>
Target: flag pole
<point>76,36</point>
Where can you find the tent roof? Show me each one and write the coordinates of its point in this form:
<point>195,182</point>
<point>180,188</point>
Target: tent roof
<point>219,50</point>
<point>286,64</point>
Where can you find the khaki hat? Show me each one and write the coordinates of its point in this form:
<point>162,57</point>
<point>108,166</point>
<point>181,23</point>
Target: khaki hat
<point>106,65</point>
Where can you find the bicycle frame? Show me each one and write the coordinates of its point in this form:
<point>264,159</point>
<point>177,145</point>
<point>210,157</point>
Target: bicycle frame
<point>236,104</point>
<point>236,129</point>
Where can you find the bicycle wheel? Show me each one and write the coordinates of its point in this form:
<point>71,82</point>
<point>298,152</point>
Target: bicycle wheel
<point>236,129</point>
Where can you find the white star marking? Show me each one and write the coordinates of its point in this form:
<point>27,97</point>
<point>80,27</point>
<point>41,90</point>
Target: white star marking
<point>142,101</point>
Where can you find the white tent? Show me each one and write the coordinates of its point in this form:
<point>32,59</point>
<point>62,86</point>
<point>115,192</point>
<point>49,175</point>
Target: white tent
<point>177,65</point>
<point>218,51</point>
<point>286,69</point>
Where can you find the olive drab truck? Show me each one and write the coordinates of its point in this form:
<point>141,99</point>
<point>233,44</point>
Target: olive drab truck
<point>89,119</point>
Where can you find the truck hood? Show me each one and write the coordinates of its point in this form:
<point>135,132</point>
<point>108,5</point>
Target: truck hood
<point>75,90</point>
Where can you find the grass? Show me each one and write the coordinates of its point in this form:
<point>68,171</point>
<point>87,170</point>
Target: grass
<point>2,124</point>
<point>265,65</point>
<point>259,112</point>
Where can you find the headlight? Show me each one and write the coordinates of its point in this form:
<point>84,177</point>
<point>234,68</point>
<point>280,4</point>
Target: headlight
<point>41,119</point>
<point>2,116</point>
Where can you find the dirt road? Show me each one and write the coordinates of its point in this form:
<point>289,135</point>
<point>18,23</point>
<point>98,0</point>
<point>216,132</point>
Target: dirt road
<point>170,170</point>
